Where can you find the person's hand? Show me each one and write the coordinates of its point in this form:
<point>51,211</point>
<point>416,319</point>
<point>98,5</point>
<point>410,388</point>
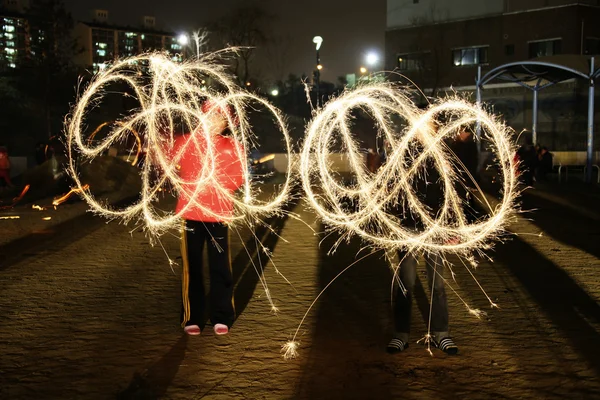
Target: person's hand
<point>454,240</point>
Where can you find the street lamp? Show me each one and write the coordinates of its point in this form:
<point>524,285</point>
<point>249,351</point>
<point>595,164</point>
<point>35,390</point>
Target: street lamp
<point>372,59</point>
<point>318,41</point>
<point>183,39</point>
<point>274,92</point>
<point>363,70</point>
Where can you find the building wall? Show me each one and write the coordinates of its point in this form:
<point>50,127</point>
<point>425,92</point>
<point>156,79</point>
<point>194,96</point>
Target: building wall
<point>403,13</point>
<point>83,33</point>
<point>522,5</point>
<point>498,33</point>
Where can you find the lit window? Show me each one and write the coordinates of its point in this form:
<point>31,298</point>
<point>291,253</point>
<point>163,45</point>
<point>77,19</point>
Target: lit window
<point>544,48</point>
<point>101,45</point>
<point>9,50</point>
<point>12,65</point>
<point>470,56</point>
<point>143,36</point>
<point>101,53</point>
<point>9,28</point>
<point>9,35</point>
<point>10,44</point>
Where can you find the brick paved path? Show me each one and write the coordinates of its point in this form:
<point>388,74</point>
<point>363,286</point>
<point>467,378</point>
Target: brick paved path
<point>94,314</point>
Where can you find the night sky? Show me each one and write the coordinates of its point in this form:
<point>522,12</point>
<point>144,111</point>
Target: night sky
<point>350,28</point>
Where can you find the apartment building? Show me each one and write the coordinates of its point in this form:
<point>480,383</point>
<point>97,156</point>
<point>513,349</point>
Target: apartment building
<point>15,35</point>
<point>102,41</point>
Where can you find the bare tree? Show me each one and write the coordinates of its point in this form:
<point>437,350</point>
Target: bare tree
<point>278,50</point>
<point>244,28</point>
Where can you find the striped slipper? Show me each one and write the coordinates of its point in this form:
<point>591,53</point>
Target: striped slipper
<point>396,346</point>
<point>446,345</point>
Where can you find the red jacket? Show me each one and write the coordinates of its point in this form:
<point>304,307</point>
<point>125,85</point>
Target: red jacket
<point>229,175</point>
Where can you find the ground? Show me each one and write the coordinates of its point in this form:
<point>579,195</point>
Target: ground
<point>90,310</point>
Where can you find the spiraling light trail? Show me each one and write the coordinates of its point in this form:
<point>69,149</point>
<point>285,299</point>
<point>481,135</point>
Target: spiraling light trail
<point>417,149</point>
<point>170,97</point>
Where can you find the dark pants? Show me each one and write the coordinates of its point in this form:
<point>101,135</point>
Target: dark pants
<point>216,236</point>
<point>403,303</point>
<point>5,175</point>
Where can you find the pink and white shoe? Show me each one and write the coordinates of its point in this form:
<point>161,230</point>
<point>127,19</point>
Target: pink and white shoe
<point>192,330</point>
<point>221,329</point>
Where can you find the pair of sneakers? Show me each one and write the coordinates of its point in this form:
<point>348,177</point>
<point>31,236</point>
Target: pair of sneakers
<point>194,330</point>
<point>447,345</point>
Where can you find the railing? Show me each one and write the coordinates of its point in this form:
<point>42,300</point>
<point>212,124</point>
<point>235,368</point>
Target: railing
<point>574,160</point>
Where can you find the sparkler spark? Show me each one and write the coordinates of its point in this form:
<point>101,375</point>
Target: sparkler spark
<point>170,96</point>
<point>17,199</point>
<point>290,350</point>
<point>65,197</point>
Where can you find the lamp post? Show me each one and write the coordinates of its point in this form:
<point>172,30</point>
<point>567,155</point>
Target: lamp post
<point>318,40</point>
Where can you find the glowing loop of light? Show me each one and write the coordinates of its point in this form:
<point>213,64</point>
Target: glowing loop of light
<point>172,94</point>
<point>414,149</point>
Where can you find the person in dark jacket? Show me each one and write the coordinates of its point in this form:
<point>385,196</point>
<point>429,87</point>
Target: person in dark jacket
<point>545,163</point>
<point>528,161</point>
<point>426,186</point>
<point>467,160</point>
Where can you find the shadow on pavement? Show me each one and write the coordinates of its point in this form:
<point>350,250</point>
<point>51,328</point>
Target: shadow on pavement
<point>245,276</point>
<point>54,239</point>
<point>351,325</point>
<point>153,383</point>
<point>565,303</point>
<point>564,224</point>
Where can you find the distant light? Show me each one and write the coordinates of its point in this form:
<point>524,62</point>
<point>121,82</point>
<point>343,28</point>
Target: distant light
<point>319,67</point>
<point>183,39</point>
<point>363,70</point>
<point>274,92</point>
<point>248,84</point>
<point>318,40</point>
<point>372,58</point>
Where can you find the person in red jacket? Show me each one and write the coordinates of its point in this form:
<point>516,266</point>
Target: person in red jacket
<point>5,166</point>
<point>205,212</point>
